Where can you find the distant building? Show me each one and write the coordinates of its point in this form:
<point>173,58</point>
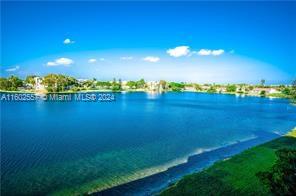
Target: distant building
<point>80,81</point>
<point>38,84</point>
<point>153,86</point>
<point>124,85</point>
<point>273,90</point>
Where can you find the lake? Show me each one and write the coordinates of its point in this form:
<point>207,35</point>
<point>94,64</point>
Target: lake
<point>79,147</point>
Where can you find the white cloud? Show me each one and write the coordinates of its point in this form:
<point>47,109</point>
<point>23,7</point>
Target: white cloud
<point>51,63</point>
<point>68,41</point>
<point>102,59</point>
<point>217,52</point>
<point>13,69</point>
<point>126,58</point>
<point>60,61</point>
<point>151,59</point>
<point>185,51</point>
<point>64,61</point>
<point>92,60</point>
<point>206,52</point>
<point>179,51</point>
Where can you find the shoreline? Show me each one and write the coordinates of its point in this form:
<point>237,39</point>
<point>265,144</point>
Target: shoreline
<point>244,166</point>
<point>142,91</point>
<point>155,183</point>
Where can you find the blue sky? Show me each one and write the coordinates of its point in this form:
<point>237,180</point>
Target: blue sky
<point>193,41</point>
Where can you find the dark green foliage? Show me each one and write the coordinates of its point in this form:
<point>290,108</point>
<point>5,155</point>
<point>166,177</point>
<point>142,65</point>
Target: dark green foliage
<point>293,91</point>
<point>212,89</point>
<point>58,82</point>
<point>174,86</point>
<point>90,84</point>
<point>190,185</point>
<point>102,84</point>
<point>197,87</point>
<point>136,84</point>
<point>231,88</point>
<point>132,84</point>
<point>30,80</point>
<point>10,84</point>
<point>286,91</point>
<point>262,82</point>
<point>237,176</point>
<point>4,84</point>
<point>116,87</point>
<point>263,93</point>
<point>281,179</point>
<point>250,88</point>
<point>141,83</point>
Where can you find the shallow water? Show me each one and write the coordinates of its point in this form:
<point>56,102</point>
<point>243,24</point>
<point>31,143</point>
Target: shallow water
<point>80,147</point>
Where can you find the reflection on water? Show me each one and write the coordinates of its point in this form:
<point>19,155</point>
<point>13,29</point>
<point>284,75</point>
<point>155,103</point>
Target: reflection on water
<point>77,147</point>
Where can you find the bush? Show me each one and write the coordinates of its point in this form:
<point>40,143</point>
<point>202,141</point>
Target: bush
<point>176,86</point>
<point>281,180</point>
<point>263,93</point>
<point>231,88</point>
<point>212,89</point>
<point>10,84</point>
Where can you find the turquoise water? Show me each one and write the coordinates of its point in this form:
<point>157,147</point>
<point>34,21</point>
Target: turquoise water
<point>82,147</point>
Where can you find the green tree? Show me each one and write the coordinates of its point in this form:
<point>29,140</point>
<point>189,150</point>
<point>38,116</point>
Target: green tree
<point>116,86</point>
<point>104,85</point>
<point>131,84</point>
<point>212,89</point>
<point>293,93</point>
<point>197,87</point>
<point>263,93</point>
<point>90,84</point>
<point>281,179</point>
<point>120,83</point>
<point>58,82</point>
<point>231,88</point>
<point>4,84</point>
<point>174,86</point>
<point>262,82</point>
<point>141,83</point>
<point>11,84</point>
<point>287,91</point>
<point>251,88</point>
<point>51,82</point>
<point>15,82</point>
<point>30,80</point>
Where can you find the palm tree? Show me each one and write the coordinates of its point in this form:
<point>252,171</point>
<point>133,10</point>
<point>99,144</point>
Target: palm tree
<point>262,82</point>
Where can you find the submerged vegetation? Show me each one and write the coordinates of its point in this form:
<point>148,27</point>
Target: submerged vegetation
<point>267,169</point>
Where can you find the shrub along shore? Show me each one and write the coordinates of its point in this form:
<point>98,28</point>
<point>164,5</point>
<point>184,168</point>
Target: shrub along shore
<point>267,169</point>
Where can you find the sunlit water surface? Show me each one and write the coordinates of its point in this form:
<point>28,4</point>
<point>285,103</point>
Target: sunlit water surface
<point>80,147</point>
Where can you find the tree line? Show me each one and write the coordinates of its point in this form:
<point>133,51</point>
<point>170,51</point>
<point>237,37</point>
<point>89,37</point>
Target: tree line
<point>59,83</point>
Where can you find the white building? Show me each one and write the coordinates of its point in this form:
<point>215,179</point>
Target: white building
<point>38,84</point>
<point>124,85</point>
<point>272,90</point>
<point>153,86</point>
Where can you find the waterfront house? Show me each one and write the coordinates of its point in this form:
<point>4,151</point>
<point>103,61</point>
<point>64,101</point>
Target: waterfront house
<point>153,85</point>
<point>38,84</point>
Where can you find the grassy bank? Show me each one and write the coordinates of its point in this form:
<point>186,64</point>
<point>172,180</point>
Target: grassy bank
<point>237,175</point>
